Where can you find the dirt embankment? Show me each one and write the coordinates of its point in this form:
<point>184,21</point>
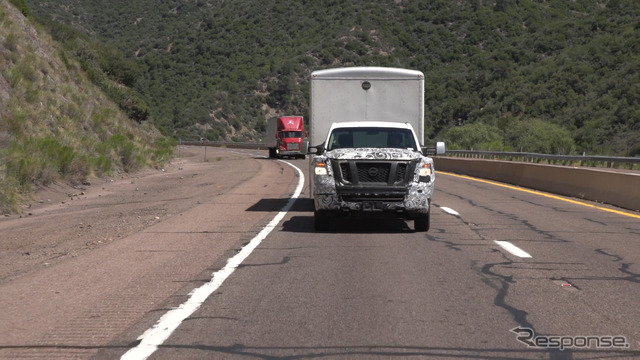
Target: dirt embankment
<point>64,222</point>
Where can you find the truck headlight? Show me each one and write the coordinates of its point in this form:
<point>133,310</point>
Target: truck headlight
<point>320,169</point>
<point>425,170</point>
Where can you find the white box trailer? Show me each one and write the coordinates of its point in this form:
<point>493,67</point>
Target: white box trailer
<point>365,94</point>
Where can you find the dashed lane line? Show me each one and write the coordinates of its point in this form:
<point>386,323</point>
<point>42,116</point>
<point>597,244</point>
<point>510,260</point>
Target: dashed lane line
<point>449,211</point>
<point>514,250</point>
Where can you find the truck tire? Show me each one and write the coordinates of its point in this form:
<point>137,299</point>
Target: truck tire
<point>422,222</point>
<point>320,221</point>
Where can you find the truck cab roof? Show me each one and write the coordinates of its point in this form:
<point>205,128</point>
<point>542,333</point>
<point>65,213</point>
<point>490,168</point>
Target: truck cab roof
<point>371,134</point>
<point>368,72</point>
<point>380,124</point>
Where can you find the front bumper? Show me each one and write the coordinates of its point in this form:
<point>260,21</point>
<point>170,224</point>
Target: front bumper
<point>289,153</point>
<point>414,199</point>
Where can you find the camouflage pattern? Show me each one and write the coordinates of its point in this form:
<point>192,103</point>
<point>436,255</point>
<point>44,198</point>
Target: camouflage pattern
<point>418,190</point>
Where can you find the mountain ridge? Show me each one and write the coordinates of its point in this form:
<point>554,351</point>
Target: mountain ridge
<point>499,75</point>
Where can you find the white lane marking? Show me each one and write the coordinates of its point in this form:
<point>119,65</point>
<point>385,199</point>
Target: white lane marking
<point>512,249</point>
<point>503,244</point>
<point>450,211</point>
<point>155,336</point>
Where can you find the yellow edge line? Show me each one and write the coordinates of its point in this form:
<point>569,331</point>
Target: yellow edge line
<point>541,194</point>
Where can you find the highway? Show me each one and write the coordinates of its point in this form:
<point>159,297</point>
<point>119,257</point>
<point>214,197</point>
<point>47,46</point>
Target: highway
<point>375,288</point>
<point>503,273</point>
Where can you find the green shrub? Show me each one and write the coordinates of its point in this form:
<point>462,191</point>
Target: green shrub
<point>15,120</point>
<point>11,42</point>
<point>9,195</point>
<point>163,150</point>
<point>22,6</point>
<point>478,136</point>
<point>40,161</point>
<point>21,167</point>
<point>538,136</point>
<point>100,165</point>
<point>122,152</point>
<point>129,101</point>
<point>58,155</point>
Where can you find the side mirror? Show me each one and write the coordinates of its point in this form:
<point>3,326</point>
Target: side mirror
<point>305,146</point>
<point>438,150</point>
<point>307,149</point>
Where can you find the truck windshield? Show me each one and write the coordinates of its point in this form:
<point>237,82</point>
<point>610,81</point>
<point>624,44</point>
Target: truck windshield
<point>291,134</point>
<point>371,138</point>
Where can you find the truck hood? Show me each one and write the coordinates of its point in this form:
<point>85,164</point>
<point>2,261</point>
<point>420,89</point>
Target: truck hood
<point>373,154</point>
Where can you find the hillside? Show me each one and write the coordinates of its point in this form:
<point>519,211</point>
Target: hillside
<point>55,124</point>
<point>550,76</point>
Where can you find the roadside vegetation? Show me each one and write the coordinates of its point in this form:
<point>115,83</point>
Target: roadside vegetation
<point>56,124</point>
<point>550,76</point>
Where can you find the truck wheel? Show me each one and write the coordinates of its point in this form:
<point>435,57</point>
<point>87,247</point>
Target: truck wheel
<point>422,222</point>
<point>320,221</point>
<point>272,153</point>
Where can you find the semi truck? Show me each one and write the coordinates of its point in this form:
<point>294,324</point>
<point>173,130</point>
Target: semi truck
<point>366,145</point>
<point>284,136</point>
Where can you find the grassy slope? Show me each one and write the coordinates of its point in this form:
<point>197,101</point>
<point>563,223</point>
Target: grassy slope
<point>55,124</point>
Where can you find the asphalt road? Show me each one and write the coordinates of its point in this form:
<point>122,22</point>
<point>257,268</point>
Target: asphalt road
<point>377,289</point>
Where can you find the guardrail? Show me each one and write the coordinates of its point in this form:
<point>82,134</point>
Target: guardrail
<point>568,160</point>
<point>233,145</point>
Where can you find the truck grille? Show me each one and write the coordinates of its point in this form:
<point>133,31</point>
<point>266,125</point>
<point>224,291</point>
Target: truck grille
<point>293,146</point>
<point>369,172</point>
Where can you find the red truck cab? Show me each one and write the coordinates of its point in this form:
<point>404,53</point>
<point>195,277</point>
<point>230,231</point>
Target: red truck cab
<point>284,136</point>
